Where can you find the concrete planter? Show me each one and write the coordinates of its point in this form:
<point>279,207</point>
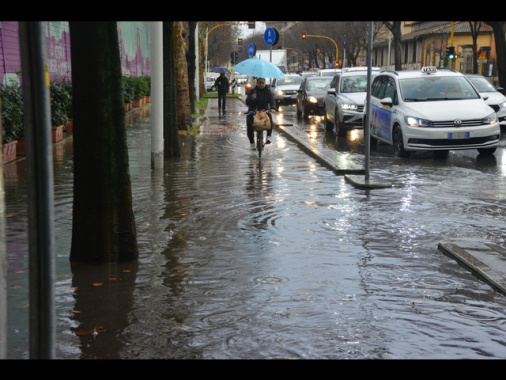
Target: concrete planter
<point>9,151</point>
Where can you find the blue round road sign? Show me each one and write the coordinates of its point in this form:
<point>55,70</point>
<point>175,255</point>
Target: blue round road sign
<point>270,36</point>
<point>252,50</point>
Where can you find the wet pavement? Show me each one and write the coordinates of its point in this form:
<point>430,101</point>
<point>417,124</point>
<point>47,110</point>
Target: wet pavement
<point>279,258</point>
<point>483,258</point>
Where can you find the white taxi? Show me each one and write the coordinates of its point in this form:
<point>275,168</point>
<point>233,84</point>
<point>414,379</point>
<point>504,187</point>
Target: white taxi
<point>430,110</point>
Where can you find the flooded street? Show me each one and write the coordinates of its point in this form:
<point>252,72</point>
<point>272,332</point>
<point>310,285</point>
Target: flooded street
<point>278,259</point>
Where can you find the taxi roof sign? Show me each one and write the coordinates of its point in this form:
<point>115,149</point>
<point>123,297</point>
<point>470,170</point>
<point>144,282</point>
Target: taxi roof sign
<point>429,69</point>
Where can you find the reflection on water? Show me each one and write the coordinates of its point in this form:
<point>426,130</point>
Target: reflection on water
<point>242,259</point>
<point>103,299</point>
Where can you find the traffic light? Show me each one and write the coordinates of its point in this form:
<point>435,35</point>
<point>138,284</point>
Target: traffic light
<point>251,24</point>
<point>239,41</point>
<point>450,52</point>
<point>303,36</point>
<point>235,57</point>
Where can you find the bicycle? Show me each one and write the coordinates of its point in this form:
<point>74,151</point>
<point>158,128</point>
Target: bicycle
<point>259,133</point>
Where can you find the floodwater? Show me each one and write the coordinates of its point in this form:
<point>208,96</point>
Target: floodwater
<point>278,259</point>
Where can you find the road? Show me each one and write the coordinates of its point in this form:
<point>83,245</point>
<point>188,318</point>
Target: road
<point>274,259</point>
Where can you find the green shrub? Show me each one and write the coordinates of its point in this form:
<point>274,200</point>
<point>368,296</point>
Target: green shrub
<point>137,88</point>
<point>11,99</point>
<point>146,85</point>
<point>60,94</point>
<point>127,84</point>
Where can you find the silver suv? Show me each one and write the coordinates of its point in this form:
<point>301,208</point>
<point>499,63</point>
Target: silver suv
<point>344,101</point>
<point>492,96</point>
<point>284,89</point>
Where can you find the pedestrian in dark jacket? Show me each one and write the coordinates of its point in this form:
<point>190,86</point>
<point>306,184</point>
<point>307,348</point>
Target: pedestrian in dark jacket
<point>259,98</point>
<point>222,85</point>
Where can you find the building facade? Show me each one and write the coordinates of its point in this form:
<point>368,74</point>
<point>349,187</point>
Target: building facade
<point>134,44</point>
<point>424,44</point>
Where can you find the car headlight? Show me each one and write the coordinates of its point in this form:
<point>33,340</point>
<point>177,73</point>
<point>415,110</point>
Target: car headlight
<point>348,106</point>
<point>416,122</point>
<point>280,93</point>
<point>312,99</point>
<point>502,105</point>
<point>490,119</point>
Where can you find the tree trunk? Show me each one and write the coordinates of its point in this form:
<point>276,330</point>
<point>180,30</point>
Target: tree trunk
<point>397,38</point>
<point>184,114</point>
<point>192,66</point>
<point>395,29</point>
<point>500,49</point>
<point>202,55</point>
<point>103,223</point>
<point>170,131</point>
<point>475,27</point>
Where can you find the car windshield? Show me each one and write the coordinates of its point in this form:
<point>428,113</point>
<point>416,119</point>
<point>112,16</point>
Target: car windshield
<point>429,88</point>
<point>481,84</point>
<point>356,83</point>
<point>287,80</point>
<point>319,84</point>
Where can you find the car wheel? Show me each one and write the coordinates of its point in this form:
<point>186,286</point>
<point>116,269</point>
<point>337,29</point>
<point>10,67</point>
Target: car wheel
<point>329,126</point>
<point>340,128</point>
<point>373,142</point>
<point>398,143</point>
<point>213,88</point>
<point>441,153</point>
<point>486,151</point>
<point>305,114</point>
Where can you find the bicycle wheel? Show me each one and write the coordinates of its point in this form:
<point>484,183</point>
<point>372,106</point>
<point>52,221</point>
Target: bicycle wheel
<point>260,140</point>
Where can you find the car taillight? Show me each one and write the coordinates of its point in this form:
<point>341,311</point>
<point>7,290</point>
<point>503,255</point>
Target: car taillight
<point>247,88</point>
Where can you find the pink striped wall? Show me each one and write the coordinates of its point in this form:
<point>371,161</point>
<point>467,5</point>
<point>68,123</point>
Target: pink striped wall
<point>134,41</point>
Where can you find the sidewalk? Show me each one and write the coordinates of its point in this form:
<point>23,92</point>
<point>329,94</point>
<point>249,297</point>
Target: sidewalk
<point>484,259</point>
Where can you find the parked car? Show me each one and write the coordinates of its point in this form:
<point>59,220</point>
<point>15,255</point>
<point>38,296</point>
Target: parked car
<point>310,96</point>
<point>284,89</point>
<point>210,79</point>
<point>492,95</point>
<point>344,101</point>
<point>308,73</point>
<point>251,82</point>
<point>327,72</point>
<point>431,110</point>
<point>241,79</point>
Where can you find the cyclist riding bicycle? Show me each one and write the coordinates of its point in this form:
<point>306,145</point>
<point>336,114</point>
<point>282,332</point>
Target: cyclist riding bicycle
<point>259,98</point>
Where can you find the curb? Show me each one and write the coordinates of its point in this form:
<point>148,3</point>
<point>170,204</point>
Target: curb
<point>484,259</point>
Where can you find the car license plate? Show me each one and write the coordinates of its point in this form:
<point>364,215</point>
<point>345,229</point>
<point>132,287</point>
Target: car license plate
<point>294,96</point>
<point>459,135</point>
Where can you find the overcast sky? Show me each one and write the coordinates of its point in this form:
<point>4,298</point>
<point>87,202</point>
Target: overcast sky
<point>259,28</point>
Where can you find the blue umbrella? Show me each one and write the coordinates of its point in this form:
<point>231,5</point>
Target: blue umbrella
<point>220,70</point>
<point>258,68</point>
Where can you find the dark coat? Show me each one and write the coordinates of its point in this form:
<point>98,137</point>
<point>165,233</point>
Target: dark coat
<point>222,85</point>
<point>264,100</point>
